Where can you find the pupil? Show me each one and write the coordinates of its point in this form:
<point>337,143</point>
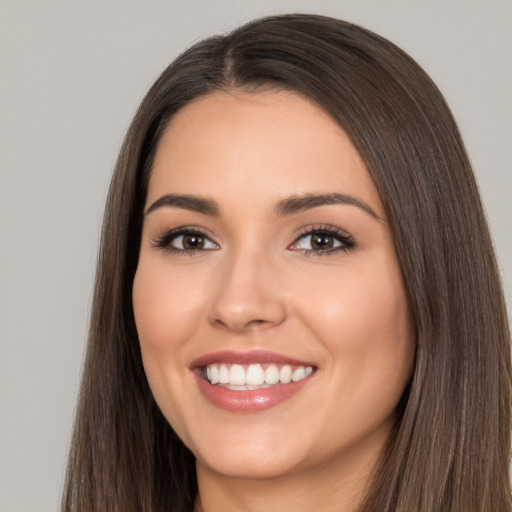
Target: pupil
<point>193,242</point>
<point>321,241</point>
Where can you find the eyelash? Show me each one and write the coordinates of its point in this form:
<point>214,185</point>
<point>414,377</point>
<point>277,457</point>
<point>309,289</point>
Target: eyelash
<point>164,242</point>
<point>345,240</point>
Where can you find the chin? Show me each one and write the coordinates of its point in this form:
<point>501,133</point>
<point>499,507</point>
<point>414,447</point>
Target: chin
<point>259,454</point>
<point>250,466</point>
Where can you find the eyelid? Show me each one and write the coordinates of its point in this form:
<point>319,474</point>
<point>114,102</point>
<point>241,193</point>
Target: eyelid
<point>347,241</point>
<point>163,241</point>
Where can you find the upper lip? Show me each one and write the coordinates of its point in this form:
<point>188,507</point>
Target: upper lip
<point>247,357</point>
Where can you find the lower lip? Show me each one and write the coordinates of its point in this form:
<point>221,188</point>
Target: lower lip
<point>253,400</point>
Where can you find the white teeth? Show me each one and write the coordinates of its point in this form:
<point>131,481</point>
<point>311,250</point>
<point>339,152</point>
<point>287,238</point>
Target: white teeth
<point>236,375</point>
<point>272,375</point>
<point>298,374</point>
<point>223,374</point>
<point>254,376</point>
<point>214,374</point>
<point>285,375</point>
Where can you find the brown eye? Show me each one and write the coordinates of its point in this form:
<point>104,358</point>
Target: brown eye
<point>322,241</point>
<point>193,242</point>
<point>185,241</point>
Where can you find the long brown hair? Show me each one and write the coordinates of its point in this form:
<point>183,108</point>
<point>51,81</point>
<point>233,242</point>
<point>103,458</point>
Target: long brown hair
<point>449,450</point>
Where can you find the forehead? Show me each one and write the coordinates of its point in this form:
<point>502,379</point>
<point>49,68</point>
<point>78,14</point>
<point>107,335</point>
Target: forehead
<point>267,144</point>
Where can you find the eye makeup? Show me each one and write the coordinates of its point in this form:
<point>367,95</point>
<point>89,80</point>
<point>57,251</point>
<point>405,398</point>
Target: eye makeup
<point>185,240</point>
<point>319,240</point>
<point>322,240</point>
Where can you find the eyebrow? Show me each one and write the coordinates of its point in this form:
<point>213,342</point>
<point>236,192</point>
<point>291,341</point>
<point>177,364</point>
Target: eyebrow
<point>187,202</point>
<point>296,204</point>
<point>288,206</point>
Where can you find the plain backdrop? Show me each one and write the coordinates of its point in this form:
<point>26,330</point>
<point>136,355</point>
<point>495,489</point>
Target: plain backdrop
<point>71,76</point>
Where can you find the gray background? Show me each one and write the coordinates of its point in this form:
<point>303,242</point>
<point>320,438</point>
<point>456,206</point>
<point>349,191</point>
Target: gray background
<point>71,76</point>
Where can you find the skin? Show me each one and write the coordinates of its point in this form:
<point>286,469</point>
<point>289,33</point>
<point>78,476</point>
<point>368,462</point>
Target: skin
<point>254,285</point>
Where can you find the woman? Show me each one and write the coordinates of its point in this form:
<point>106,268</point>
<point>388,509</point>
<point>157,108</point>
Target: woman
<point>297,302</point>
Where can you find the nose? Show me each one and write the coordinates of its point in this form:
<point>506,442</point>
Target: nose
<point>248,294</point>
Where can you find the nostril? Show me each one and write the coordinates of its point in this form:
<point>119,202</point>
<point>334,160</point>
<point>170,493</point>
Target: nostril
<point>257,324</point>
<point>251,325</point>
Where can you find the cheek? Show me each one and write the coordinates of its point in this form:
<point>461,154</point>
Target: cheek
<point>166,312</point>
<point>365,326</point>
<point>362,318</point>
<point>165,307</point>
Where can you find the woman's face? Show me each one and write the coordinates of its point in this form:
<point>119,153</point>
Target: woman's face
<point>267,264</point>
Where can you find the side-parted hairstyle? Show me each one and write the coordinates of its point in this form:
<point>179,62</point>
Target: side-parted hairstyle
<point>449,450</point>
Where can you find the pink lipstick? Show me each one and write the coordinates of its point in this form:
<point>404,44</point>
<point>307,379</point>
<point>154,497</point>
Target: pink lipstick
<point>250,381</point>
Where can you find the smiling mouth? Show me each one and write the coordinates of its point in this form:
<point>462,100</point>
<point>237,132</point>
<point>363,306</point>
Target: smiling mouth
<point>251,381</point>
<point>238,377</point>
